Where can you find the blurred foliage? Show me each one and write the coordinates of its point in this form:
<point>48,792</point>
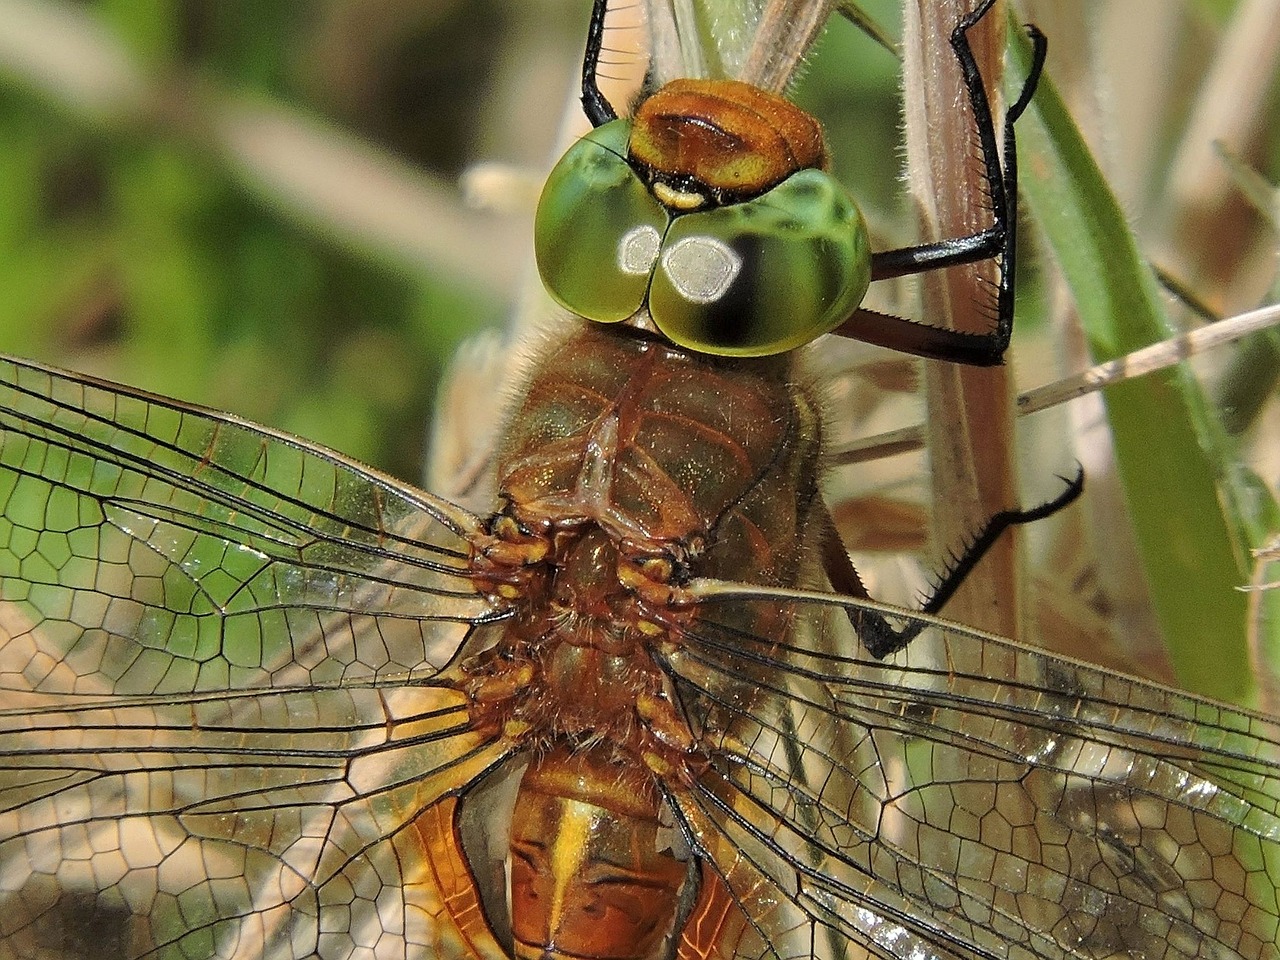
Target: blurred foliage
<point>1169,447</point>
<point>129,250</point>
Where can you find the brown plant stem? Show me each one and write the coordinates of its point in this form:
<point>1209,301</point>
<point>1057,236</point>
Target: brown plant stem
<point>969,410</point>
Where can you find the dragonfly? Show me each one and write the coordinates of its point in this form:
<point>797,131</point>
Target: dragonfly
<point>261,700</point>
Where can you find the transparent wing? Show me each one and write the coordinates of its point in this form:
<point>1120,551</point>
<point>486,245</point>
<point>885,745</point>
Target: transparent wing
<point>758,41</point>
<point>707,39</point>
<point>971,797</point>
<point>173,550</point>
<point>221,714</point>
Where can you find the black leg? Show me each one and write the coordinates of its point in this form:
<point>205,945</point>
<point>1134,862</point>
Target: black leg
<point>598,109</point>
<point>998,240</point>
<point>881,638</point>
<point>918,339</point>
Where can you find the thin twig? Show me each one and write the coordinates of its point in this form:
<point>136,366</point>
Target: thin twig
<point>1159,356</point>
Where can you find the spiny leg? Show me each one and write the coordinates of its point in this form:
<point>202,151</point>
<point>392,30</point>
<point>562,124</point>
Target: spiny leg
<point>597,107</point>
<point>876,633</point>
<point>998,240</point>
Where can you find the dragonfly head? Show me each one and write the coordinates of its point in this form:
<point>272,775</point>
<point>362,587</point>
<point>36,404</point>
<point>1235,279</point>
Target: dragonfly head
<point>710,208</point>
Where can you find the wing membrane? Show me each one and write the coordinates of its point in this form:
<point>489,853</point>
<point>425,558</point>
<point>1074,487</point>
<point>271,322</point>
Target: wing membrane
<point>220,649</point>
<point>161,548</point>
<point>986,799</point>
<point>227,701</point>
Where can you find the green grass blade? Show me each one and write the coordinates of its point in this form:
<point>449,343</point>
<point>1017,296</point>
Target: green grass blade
<point>1169,448</point>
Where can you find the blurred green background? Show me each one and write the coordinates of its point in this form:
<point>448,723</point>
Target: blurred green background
<point>152,230</point>
<point>254,204</point>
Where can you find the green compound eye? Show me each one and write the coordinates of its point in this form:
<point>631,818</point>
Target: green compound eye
<point>764,276</point>
<point>748,279</point>
<point>598,229</point>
